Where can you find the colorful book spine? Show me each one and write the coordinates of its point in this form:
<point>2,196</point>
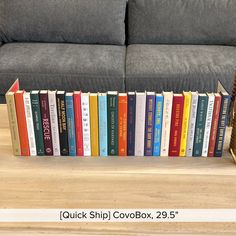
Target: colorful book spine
<point>176,125</point>
<point>149,123</point>
<point>86,123</point>
<point>192,124</point>
<point>122,124</point>
<point>112,122</point>
<point>200,125</point>
<point>206,139</point>
<point>214,126</point>
<point>30,124</point>
<point>12,117</point>
<point>78,124</point>
<point>222,124</point>
<point>22,126</point>
<point>70,116</point>
<point>166,122</point>
<point>131,123</point>
<point>47,134</point>
<point>62,123</point>
<point>158,125</point>
<point>102,104</point>
<point>54,122</point>
<point>94,124</point>
<point>184,134</point>
<point>36,112</point>
<point>140,123</point>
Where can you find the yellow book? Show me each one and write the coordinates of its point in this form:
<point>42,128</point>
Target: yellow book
<point>94,124</point>
<point>184,134</point>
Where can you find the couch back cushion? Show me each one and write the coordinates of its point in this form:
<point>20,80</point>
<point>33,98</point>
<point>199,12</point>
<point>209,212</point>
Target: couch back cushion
<point>59,21</point>
<point>182,22</point>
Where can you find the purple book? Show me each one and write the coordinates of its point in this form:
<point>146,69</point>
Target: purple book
<point>47,135</point>
<point>149,123</point>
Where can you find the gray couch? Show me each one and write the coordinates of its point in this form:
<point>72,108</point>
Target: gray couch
<point>100,45</point>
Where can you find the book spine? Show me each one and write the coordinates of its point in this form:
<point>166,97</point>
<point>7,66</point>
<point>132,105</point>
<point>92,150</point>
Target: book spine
<point>86,124</point>
<point>192,124</point>
<point>214,126</point>
<point>200,125</point>
<point>22,126</point>
<point>94,125</point>
<point>54,123</point>
<point>224,111</point>
<point>140,124</point>
<point>131,124</point>
<point>112,118</point>
<point>211,100</point>
<point>11,108</point>
<point>47,135</point>
<point>103,125</point>
<point>149,124</point>
<point>78,125</point>
<point>166,122</point>
<point>122,124</point>
<point>71,125</point>
<point>35,104</point>
<point>30,124</point>
<point>62,124</point>
<point>158,126</point>
<point>184,134</point>
<point>176,125</point>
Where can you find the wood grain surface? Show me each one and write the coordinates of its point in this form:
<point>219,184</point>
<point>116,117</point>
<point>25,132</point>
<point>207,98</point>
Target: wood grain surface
<point>49,182</point>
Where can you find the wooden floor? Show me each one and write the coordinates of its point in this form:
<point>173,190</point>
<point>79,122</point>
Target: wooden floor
<point>114,183</point>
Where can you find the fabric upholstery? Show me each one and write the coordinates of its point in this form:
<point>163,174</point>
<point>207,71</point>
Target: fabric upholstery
<point>179,67</point>
<point>182,22</point>
<point>62,66</point>
<point>63,21</point>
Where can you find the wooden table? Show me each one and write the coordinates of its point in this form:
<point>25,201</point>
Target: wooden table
<point>114,183</point>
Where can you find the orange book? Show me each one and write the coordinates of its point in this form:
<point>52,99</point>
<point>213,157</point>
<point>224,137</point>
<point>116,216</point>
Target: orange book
<point>22,126</point>
<point>122,124</point>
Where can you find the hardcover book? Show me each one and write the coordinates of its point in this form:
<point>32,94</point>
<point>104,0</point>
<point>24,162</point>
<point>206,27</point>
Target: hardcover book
<point>149,123</point>
<point>112,122</point>
<point>176,124</point>
<point>158,125</point>
<point>62,123</point>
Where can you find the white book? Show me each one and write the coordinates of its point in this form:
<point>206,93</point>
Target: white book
<point>86,123</point>
<point>29,123</point>
<point>206,139</point>
<point>140,124</point>
<point>192,124</point>
<point>166,122</point>
<point>54,122</point>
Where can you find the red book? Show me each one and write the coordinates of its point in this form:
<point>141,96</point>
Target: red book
<point>47,135</point>
<point>214,125</point>
<point>22,126</point>
<point>78,124</point>
<point>176,125</point>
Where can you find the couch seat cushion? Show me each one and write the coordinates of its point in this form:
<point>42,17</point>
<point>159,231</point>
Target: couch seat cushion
<point>62,66</point>
<point>179,67</point>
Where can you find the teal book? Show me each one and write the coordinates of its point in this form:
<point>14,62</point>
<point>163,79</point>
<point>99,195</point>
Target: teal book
<point>112,123</point>
<point>36,112</point>
<point>200,125</point>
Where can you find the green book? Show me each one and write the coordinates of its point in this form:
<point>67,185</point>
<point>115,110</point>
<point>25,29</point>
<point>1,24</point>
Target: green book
<point>35,103</point>
<point>200,125</point>
<point>112,123</point>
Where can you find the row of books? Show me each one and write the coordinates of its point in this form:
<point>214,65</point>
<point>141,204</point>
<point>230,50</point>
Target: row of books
<point>117,124</point>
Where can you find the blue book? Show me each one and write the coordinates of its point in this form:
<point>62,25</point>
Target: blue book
<point>70,124</point>
<point>102,111</point>
<point>149,123</point>
<point>158,125</point>
<point>131,123</point>
<point>223,118</point>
